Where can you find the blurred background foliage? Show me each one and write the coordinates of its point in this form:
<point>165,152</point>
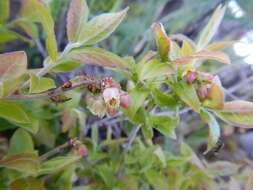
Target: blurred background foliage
<point>133,37</point>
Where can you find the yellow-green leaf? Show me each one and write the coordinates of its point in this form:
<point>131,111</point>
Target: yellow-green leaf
<point>215,98</point>
<point>76,19</point>
<point>40,84</point>
<point>162,41</point>
<point>13,112</point>
<point>214,128</point>
<point>36,11</point>
<point>26,163</point>
<point>238,113</point>
<point>21,142</point>
<point>153,68</point>
<point>100,27</point>
<point>211,28</point>
<point>4,10</point>
<point>187,93</point>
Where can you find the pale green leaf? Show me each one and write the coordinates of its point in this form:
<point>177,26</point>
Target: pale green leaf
<point>13,112</point>
<point>77,19</point>
<point>100,27</point>
<point>36,11</point>
<point>238,113</point>
<point>214,128</point>
<point>211,28</point>
<point>40,84</point>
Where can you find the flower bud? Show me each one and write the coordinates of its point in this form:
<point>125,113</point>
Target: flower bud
<point>202,92</point>
<point>125,99</point>
<point>111,97</point>
<point>83,151</point>
<point>191,76</point>
<point>96,105</point>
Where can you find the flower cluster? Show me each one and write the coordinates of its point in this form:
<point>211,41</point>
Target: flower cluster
<point>110,98</point>
<point>203,81</point>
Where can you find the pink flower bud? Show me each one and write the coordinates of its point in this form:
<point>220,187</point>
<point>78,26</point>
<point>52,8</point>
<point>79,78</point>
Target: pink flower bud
<point>191,76</point>
<point>202,92</point>
<point>111,97</point>
<point>125,99</point>
<point>83,151</point>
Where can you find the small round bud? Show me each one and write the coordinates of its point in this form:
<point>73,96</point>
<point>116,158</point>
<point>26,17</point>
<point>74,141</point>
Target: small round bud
<point>202,92</point>
<point>125,100</point>
<point>191,76</point>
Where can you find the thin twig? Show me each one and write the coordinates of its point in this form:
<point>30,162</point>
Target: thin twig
<point>54,151</point>
<point>50,93</point>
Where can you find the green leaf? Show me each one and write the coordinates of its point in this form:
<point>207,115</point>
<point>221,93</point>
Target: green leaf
<point>164,124</point>
<point>162,41</point>
<point>77,18</point>
<point>36,11</point>
<point>153,69</point>
<point>93,56</point>
<point>31,126</point>
<point>30,28</point>
<point>27,184</point>
<point>56,164</point>
<point>211,28</point>
<point>21,142</point>
<point>26,163</point>
<point>13,69</point>
<point>238,113</point>
<point>40,84</point>
<point>7,36</point>
<point>214,128</point>
<point>187,93</point>
<point>164,100</point>
<point>100,27</point>
<point>137,97</point>
<point>4,10</point>
<point>13,112</point>
<point>158,181</point>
